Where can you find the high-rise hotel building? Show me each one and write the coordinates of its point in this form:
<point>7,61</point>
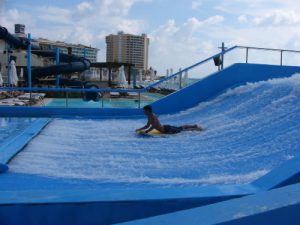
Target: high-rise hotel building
<point>128,48</point>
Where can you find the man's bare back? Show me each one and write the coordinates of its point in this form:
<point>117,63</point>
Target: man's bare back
<point>154,123</point>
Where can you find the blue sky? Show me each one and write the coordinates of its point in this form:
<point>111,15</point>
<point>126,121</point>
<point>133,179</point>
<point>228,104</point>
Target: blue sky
<point>181,32</point>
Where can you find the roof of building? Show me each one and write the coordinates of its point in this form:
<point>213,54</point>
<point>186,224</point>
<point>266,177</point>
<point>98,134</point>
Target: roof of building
<point>62,44</point>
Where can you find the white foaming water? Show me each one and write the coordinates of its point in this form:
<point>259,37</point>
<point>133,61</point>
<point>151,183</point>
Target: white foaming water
<point>250,130</point>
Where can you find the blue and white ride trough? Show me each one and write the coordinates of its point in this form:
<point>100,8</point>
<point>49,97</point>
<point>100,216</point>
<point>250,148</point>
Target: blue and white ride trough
<point>32,199</point>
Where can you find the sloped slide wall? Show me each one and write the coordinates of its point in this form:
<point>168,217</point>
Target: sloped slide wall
<point>211,86</point>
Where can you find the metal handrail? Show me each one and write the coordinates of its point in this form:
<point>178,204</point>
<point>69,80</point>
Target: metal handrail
<point>190,67</point>
<point>72,89</point>
<point>267,49</point>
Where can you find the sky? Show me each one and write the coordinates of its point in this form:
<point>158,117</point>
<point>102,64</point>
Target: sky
<point>181,32</point>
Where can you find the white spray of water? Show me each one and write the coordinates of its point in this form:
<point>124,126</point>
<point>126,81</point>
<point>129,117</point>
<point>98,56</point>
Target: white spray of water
<point>250,130</point>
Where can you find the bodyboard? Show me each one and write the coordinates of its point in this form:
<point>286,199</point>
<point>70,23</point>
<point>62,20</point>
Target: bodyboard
<point>152,133</point>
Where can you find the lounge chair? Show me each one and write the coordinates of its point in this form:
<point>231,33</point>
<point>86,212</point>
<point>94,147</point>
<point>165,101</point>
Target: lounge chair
<point>133,94</point>
<point>34,96</point>
<point>7,94</point>
<point>20,103</point>
<point>6,104</point>
<point>114,94</point>
<point>13,101</point>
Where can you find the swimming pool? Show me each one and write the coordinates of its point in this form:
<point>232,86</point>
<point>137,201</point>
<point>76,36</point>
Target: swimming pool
<point>250,130</point>
<point>146,98</point>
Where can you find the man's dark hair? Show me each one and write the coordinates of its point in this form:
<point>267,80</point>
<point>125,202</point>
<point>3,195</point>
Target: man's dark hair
<point>148,108</point>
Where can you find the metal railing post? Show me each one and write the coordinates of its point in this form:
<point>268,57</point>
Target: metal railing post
<point>222,56</point>
<point>29,65</point>
<point>29,61</point>
<point>281,52</point>
<point>102,99</point>
<point>57,61</point>
<point>180,79</point>
<point>139,100</point>
<point>8,51</point>
<point>67,99</point>
<point>247,53</point>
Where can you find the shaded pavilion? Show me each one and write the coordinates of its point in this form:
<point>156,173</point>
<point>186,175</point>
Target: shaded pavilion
<point>114,65</point>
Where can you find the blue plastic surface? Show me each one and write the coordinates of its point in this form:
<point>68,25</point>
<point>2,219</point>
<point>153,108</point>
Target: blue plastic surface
<point>3,168</point>
<point>9,149</point>
<point>276,207</point>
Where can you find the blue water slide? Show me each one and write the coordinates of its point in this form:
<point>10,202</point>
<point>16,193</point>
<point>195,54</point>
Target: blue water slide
<point>14,41</point>
<point>64,68</point>
<point>74,63</point>
<point>71,63</point>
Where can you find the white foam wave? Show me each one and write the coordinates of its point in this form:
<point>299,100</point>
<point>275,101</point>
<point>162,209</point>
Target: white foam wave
<point>249,131</point>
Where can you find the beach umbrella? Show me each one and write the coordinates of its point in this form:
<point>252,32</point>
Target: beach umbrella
<point>104,74</point>
<point>1,79</point>
<point>13,73</point>
<point>3,72</point>
<point>121,77</point>
<point>21,73</point>
<point>152,75</point>
<point>185,81</point>
<point>141,75</point>
<point>166,84</point>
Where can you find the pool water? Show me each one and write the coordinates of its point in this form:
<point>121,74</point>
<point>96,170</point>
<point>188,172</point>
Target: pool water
<point>249,131</point>
<point>147,98</point>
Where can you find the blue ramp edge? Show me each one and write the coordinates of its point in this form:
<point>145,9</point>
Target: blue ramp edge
<point>106,205</point>
<point>9,149</point>
<point>42,190</point>
<point>286,174</point>
<point>277,207</point>
<point>21,111</point>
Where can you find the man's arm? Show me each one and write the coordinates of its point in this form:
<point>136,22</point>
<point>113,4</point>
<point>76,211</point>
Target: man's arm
<point>146,126</point>
<point>151,128</point>
<point>152,122</point>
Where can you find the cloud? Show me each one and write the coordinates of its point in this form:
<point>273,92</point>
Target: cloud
<point>54,15</point>
<point>2,5</point>
<point>130,26</point>
<point>9,17</point>
<point>196,4</point>
<point>173,42</point>
<point>247,7</point>
<point>278,18</point>
<point>214,20</point>
<point>182,44</point>
<point>84,7</point>
<point>243,19</point>
<point>111,8</point>
<point>76,35</point>
<point>81,23</point>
